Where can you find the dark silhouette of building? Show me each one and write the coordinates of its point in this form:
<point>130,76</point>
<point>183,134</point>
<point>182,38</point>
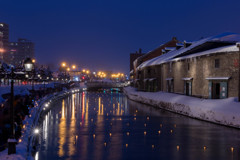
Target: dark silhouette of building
<point>134,56</point>
<point>4,29</point>
<point>21,50</point>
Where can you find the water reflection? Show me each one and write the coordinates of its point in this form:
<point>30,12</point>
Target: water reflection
<point>62,131</point>
<point>93,125</point>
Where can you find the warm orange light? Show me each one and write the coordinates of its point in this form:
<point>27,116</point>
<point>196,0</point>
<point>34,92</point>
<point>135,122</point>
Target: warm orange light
<point>63,64</point>
<point>84,70</point>
<point>73,66</point>
<point>33,60</point>
<point>178,148</point>
<point>68,69</point>
<point>2,50</point>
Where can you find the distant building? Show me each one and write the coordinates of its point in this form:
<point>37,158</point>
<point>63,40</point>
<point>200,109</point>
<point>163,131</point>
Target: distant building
<point>4,29</point>
<point>162,49</point>
<point>20,50</point>
<point>134,56</point>
<point>1,46</point>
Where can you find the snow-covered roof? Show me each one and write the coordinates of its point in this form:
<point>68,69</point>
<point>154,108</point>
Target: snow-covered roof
<point>225,37</point>
<point>170,48</point>
<point>231,48</point>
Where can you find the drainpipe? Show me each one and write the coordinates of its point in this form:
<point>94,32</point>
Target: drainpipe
<point>238,45</point>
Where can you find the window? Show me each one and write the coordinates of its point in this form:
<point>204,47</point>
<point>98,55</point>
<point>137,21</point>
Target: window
<point>170,67</point>
<point>188,66</point>
<point>217,63</point>
<point>149,71</point>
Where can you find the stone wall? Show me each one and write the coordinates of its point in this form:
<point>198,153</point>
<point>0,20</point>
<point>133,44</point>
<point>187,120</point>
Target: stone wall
<point>197,68</point>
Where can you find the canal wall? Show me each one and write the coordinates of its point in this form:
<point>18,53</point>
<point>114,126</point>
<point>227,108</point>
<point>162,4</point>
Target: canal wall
<point>222,111</point>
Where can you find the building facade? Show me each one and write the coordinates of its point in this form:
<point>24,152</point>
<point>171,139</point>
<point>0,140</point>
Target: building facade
<point>4,29</point>
<point>20,50</point>
<point>134,56</point>
<point>162,49</point>
<point>206,68</point>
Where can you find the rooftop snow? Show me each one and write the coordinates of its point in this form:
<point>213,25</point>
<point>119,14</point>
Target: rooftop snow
<point>225,37</point>
<point>232,48</point>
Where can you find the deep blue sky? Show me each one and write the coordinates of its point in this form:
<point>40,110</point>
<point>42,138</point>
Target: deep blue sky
<point>100,34</point>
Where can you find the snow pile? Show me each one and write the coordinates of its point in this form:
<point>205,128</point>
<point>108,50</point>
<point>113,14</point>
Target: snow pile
<point>221,111</point>
<point>22,89</point>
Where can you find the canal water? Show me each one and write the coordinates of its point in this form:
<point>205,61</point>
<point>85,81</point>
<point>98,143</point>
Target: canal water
<point>106,125</point>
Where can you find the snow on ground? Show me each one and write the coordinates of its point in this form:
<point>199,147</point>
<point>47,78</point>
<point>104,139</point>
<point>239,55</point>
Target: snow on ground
<point>22,89</point>
<point>221,111</point>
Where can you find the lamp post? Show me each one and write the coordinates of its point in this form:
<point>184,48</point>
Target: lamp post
<point>12,141</point>
<point>238,45</point>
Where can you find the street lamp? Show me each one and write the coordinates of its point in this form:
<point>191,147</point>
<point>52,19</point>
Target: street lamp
<point>63,64</point>
<point>73,67</point>
<point>28,65</point>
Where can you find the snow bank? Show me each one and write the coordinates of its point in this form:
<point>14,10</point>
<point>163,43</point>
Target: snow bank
<point>221,111</point>
<point>22,89</point>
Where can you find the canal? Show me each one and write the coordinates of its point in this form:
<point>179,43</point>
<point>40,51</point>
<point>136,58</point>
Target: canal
<point>106,125</point>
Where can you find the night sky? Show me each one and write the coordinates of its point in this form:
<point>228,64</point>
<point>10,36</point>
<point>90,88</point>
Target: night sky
<point>100,34</point>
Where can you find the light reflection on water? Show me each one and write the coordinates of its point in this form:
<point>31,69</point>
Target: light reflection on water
<point>92,125</point>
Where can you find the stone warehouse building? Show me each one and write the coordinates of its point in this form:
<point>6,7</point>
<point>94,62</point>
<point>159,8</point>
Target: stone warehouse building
<point>207,68</point>
<point>152,54</point>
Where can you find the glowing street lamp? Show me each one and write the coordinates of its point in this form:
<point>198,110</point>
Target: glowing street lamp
<point>73,66</point>
<point>63,64</point>
<point>68,69</point>
<point>28,65</point>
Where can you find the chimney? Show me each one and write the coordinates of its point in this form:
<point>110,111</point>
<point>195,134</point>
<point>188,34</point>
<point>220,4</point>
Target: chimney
<point>174,38</point>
